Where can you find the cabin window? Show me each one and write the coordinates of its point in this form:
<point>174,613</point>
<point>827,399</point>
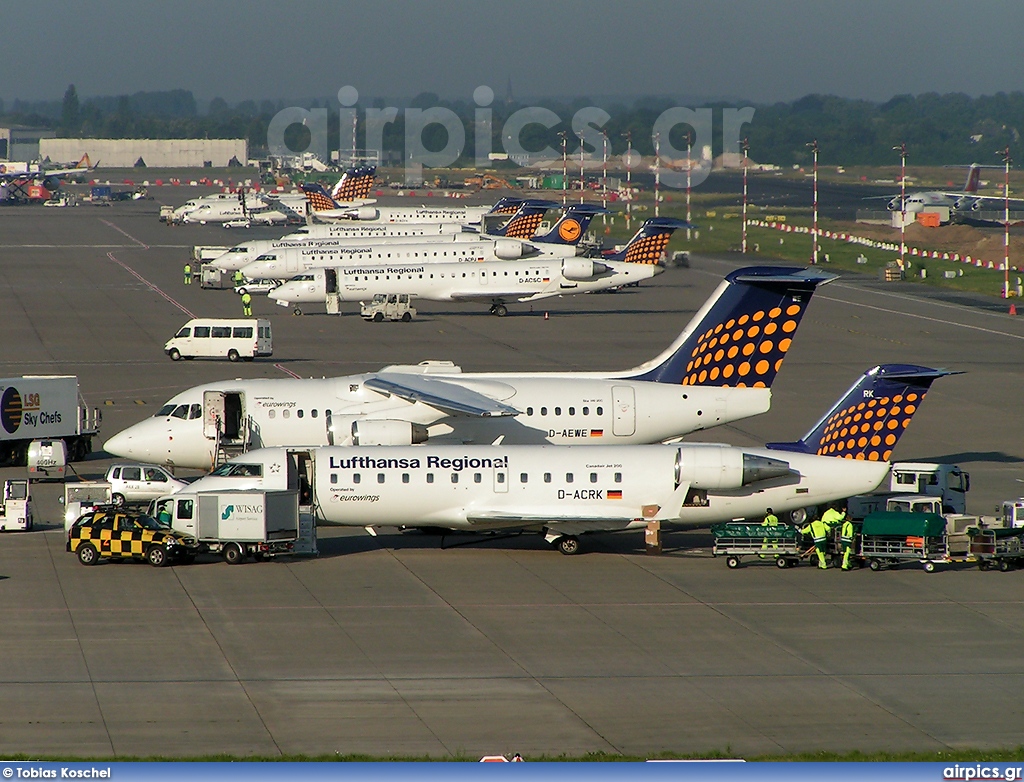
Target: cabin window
<point>243,332</point>
<point>405,477</point>
<point>271,414</point>
<point>380,477</point>
<point>558,411</point>
<point>334,478</point>
<point>314,412</point>
<point>221,332</point>
<point>299,413</point>
<point>593,477</point>
<point>618,477</point>
<point>523,477</point>
<point>477,478</point>
<point>286,413</point>
<point>547,477</point>
<point>568,477</point>
<point>586,411</point>
<point>600,411</point>
<point>201,331</point>
<point>356,477</point>
<point>500,477</point>
<point>572,411</point>
<point>455,477</point>
<point>529,411</point>
<point>430,477</point>
<point>543,411</point>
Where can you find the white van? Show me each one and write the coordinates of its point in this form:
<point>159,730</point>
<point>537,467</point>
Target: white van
<point>234,339</point>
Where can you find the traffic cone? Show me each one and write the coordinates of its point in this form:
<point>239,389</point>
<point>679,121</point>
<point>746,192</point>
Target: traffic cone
<point>545,315</point>
<point>1013,309</point>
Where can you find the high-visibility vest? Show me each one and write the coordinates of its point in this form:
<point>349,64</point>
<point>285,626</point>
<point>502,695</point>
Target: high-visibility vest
<point>846,533</point>
<point>819,530</point>
<point>771,520</point>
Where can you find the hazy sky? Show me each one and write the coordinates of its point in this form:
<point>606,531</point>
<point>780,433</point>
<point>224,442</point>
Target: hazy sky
<point>752,49</point>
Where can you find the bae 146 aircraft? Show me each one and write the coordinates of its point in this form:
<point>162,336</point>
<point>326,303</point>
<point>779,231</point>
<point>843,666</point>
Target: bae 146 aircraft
<point>719,369</point>
<point>504,244</point>
<point>967,200</point>
<point>564,492</point>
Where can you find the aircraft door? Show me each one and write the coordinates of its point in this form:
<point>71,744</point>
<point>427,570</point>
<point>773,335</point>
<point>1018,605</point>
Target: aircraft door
<point>501,480</point>
<point>329,422</point>
<point>483,276</point>
<point>213,413</point>
<point>623,411</point>
<point>301,476</point>
<point>331,280</point>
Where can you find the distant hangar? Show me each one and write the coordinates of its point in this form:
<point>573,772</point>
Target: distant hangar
<point>154,153</point>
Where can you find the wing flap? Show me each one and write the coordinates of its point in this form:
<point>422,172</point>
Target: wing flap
<point>441,394</point>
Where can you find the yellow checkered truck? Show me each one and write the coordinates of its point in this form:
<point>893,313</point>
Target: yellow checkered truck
<point>110,534</point>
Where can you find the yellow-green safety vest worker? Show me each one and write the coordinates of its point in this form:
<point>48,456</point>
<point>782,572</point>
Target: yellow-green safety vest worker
<point>819,531</point>
<point>770,519</point>
<point>846,541</point>
<point>833,518</point>
<point>247,303</point>
<point>188,274</point>
<point>238,277</point>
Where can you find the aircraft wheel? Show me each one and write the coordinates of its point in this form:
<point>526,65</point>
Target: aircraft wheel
<point>500,310</point>
<point>798,516</point>
<point>296,311</point>
<point>569,545</point>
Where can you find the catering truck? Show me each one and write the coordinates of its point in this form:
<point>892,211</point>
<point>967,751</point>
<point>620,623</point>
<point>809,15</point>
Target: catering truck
<point>44,407</point>
<point>234,524</point>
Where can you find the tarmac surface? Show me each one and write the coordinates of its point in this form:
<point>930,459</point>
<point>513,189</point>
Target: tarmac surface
<point>397,646</point>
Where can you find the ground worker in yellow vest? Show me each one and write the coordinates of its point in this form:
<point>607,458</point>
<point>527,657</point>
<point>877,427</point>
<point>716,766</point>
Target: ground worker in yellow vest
<point>238,278</point>
<point>188,274</point>
<point>246,304</point>
<point>846,541</point>
<point>833,517</point>
<point>770,520</point>
<point>819,531</point>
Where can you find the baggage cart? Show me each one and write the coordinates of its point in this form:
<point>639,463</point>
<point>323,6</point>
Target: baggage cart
<point>781,544</point>
<point>889,539</point>
<point>1001,549</point>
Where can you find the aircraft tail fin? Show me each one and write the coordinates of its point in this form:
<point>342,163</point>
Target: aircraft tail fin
<point>973,179</point>
<point>354,184</point>
<point>319,200</point>
<point>506,206</point>
<point>742,334</point>
<point>572,225</point>
<point>526,219</point>
<point>649,243</point>
<point>869,419</point>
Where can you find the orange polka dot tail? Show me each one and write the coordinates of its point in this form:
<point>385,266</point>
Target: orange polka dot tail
<point>742,334</point>
<point>871,417</point>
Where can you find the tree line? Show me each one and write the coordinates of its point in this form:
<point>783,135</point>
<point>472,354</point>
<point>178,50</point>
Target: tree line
<point>938,129</point>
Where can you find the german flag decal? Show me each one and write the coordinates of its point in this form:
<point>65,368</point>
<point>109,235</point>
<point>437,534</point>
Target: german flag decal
<point>614,494</point>
<point>597,432</point>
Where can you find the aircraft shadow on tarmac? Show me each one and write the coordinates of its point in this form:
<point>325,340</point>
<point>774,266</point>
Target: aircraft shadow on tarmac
<point>974,456</point>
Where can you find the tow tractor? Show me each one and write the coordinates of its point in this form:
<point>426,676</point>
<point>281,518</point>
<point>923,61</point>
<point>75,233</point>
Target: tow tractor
<point>390,306</point>
<point>16,507</point>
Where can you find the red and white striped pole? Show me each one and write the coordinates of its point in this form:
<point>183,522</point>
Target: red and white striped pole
<point>814,225</point>
<point>903,203</point>
<point>1006,224</point>
<point>746,147</point>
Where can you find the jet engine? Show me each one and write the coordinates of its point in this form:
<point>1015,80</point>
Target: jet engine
<point>364,213</point>
<point>963,204</point>
<point>511,250</point>
<point>387,433</point>
<point>582,268</point>
<point>724,467</point>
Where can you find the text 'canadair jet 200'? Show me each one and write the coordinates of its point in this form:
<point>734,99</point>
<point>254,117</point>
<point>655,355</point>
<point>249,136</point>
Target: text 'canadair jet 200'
<point>719,369</point>
<point>566,492</point>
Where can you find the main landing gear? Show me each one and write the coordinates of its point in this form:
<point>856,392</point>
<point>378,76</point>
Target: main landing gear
<point>499,309</point>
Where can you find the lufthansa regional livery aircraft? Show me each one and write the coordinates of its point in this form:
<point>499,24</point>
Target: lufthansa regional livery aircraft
<point>565,492</point>
<point>504,244</point>
<point>429,277</point>
<point>719,369</point>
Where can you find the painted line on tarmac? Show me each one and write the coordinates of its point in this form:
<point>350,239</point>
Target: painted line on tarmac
<point>143,245</point>
<point>150,285</point>
<point>922,317</point>
<point>287,371</point>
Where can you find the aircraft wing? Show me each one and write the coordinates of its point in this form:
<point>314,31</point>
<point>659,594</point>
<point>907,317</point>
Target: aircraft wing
<point>442,394</point>
<point>567,525</point>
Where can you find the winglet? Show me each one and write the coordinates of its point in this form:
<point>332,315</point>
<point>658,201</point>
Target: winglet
<point>869,419</point>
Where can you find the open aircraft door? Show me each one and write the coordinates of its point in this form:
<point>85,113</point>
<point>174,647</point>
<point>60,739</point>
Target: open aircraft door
<point>623,411</point>
<point>213,413</point>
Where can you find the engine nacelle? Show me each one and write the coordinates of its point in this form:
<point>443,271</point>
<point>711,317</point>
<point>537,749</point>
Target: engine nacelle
<point>509,249</point>
<point>365,213</point>
<point>723,467</point>
<point>387,433</point>
<point>582,268</point>
<point>964,204</point>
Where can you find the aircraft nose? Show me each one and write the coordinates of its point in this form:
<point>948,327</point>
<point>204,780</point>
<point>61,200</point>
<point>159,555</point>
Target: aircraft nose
<point>120,444</point>
<point>135,442</point>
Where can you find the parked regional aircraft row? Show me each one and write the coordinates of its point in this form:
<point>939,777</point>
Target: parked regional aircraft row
<point>719,369</point>
<point>568,491</point>
<point>505,243</point>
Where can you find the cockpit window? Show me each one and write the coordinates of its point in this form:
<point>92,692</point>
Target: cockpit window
<point>239,471</point>
<point>195,411</point>
<point>165,410</point>
<point>267,258</point>
<point>181,411</point>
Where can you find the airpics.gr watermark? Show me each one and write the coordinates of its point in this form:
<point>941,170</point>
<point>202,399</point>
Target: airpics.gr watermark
<point>586,126</point>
